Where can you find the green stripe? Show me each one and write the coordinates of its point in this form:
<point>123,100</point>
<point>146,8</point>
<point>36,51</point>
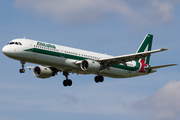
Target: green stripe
<point>125,67</point>
<point>58,54</point>
<point>147,41</point>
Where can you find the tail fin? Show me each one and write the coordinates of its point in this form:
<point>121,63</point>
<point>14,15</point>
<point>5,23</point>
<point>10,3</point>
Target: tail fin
<point>146,46</point>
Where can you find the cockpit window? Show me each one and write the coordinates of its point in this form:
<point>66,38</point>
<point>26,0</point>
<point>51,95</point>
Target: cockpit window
<point>16,43</point>
<point>10,43</point>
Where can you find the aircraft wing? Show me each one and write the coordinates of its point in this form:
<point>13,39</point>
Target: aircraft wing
<point>161,66</point>
<point>125,58</point>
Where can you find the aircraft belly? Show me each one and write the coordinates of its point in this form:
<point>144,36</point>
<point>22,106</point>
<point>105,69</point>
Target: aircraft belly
<point>120,73</point>
<point>42,59</point>
<point>61,63</point>
<point>114,73</point>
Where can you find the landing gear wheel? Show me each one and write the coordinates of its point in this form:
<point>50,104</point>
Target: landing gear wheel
<point>22,70</point>
<point>67,82</point>
<point>101,78</point>
<point>98,79</point>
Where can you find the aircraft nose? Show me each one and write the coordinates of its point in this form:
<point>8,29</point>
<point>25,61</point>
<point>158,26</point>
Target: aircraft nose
<point>5,50</point>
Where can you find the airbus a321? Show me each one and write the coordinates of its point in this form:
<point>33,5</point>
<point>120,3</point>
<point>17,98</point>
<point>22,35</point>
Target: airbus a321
<point>56,58</point>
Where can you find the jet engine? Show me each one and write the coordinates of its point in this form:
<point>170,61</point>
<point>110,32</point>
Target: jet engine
<point>42,72</point>
<point>90,66</point>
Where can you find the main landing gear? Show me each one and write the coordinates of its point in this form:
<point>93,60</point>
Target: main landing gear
<point>67,82</point>
<point>22,70</point>
<point>98,78</point>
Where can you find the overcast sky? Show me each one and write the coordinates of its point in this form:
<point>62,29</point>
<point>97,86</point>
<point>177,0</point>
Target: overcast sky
<point>115,27</point>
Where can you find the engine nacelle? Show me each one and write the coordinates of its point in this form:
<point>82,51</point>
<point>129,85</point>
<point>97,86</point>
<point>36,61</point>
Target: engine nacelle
<point>90,66</point>
<point>42,72</point>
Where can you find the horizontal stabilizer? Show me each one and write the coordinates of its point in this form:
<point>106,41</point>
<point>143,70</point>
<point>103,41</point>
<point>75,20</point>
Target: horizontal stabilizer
<point>161,66</point>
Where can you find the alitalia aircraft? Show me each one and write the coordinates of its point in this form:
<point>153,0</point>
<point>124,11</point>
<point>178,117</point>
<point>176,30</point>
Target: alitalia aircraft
<point>56,58</point>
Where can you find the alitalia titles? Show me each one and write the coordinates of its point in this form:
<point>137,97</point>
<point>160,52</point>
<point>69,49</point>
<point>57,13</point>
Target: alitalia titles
<point>49,46</point>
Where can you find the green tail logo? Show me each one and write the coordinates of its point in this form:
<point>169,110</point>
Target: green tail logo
<point>146,45</point>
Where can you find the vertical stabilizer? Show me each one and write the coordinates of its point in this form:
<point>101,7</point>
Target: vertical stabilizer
<point>146,46</point>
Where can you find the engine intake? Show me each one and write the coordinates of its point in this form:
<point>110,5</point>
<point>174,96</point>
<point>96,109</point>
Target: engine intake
<point>90,66</point>
<point>42,72</point>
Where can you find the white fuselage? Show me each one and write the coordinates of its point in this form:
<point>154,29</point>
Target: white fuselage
<point>65,58</point>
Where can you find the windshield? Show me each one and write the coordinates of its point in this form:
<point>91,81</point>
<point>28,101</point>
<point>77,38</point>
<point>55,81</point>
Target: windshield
<point>16,43</point>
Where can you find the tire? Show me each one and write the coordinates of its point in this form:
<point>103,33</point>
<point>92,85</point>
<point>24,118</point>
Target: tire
<point>101,78</point>
<point>96,79</point>
<point>65,83</point>
<point>22,70</point>
<point>69,82</point>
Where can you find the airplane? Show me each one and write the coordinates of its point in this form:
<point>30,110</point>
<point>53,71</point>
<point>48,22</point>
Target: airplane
<point>56,58</point>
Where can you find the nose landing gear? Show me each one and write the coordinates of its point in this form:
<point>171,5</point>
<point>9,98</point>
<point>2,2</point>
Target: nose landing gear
<point>22,63</point>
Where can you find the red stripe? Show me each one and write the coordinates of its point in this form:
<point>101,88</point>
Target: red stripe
<point>143,64</point>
